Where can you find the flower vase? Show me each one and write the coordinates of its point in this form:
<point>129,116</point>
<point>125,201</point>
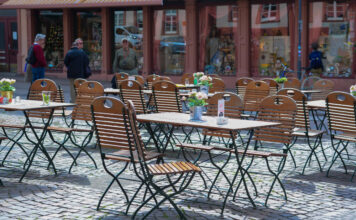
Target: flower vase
<point>280,86</point>
<point>196,113</point>
<point>204,89</point>
<point>7,96</point>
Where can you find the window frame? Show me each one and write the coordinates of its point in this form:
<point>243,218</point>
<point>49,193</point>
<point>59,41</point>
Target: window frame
<point>176,22</point>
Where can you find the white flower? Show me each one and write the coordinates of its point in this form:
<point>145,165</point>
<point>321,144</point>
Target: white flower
<point>200,96</point>
<point>353,88</point>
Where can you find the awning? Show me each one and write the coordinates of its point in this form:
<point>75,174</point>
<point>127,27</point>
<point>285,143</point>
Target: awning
<point>50,4</point>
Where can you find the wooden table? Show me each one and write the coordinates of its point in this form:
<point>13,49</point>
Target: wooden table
<point>181,120</point>
<point>310,91</point>
<point>111,91</point>
<point>317,104</point>
<point>26,106</point>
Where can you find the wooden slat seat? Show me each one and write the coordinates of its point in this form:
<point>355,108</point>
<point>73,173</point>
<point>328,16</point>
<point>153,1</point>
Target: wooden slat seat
<point>195,146</point>
<point>67,130</point>
<point>3,138</point>
<point>59,113</point>
<point>172,168</point>
<point>302,132</point>
<point>346,137</point>
<point>124,155</point>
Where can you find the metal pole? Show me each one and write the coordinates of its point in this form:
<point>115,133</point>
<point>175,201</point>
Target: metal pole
<point>300,27</point>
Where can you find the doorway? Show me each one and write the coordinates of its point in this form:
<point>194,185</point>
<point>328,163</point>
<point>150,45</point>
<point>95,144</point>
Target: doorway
<point>8,45</point>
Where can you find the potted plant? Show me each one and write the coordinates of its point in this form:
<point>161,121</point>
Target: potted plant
<point>196,102</point>
<point>7,90</point>
<point>280,81</point>
<point>197,77</point>
<point>353,90</point>
<point>205,84</point>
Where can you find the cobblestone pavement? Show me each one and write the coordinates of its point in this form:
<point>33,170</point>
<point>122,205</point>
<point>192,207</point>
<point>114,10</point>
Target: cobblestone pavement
<point>43,195</point>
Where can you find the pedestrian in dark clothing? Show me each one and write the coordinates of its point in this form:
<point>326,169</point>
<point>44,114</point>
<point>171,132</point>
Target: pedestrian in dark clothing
<point>316,63</point>
<point>38,68</point>
<point>77,63</point>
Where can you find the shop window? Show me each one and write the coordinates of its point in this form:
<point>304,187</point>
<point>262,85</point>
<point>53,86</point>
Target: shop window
<point>88,27</point>
<point>170,22</point>
<point>335,37</point>
<point>128,57</point>
<point>335,11</point>
<point>270,42</point>
<point>169,41</point>
<point>51,24</point>
<point>269,12</point>
<point>119,18</point>
<point>218,37</point>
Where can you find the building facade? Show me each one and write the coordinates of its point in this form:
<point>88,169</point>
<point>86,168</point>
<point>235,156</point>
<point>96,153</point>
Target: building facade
<point>238,38</point>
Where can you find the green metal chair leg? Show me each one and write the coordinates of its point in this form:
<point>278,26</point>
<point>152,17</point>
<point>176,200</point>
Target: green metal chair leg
<point>276,178</point>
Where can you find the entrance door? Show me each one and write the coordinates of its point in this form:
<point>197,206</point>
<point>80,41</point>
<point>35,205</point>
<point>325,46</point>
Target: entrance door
<point>8,45</point>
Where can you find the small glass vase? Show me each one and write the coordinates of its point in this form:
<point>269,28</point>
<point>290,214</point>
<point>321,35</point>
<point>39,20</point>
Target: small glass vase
<point>204,89</point>
<point>196,113</point>
<point>7,96</point>
<point>46,97</point>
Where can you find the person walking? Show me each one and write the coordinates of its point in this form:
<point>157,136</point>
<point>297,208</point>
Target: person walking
<point>38,68</point>
<point>125,59</point>
<point>316,63</point>
<point>77,63</point>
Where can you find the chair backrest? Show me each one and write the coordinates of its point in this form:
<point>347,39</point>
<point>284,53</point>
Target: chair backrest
<point>60,95</point>
<point>233,104</point>
<point>214,76</point>
<point>163,78</point>
<point>302,116</point>
<point>280,109</point>
<point>139,79</point>
<point>241,84</point>
<point>149,80</point>
<point>218,85</point>
<point>166,97</point>
<point>35,93</point>
<point>112,125</point>
<point>325,86</point>
<point>120,77</point>
<point>273,86</point>
<point>292,83</point>
<point>132,90</point>
<point>77,83</point>
<point>256,91</point>
<point>187,76</point>
<point>308,83</point>
<point>341,111</point>
<point>87,92</point>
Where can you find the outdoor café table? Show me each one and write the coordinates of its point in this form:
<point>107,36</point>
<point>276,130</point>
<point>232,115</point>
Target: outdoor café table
<point>183,120</point>
<point>111,91</point>
<point>315,106</point>
<point>26,106</point>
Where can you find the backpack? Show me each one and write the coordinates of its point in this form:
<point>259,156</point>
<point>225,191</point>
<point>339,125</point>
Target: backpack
<point>315,60</point>
<point>31,58</point>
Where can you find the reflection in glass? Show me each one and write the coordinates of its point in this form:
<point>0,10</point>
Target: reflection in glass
<point>169,41</point>
<point>333,30</point>
<point>51,24</point>
<point>270,40</point>
<point>129,26</point>
<point>218,36</point>
<point>88,27</point>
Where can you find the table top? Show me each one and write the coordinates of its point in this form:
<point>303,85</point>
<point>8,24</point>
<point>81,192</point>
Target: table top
<point>24,105</point>
<point>189,86</point>
<point>310,91</point>
<point>317,104</point>
<point>182,119</point>
<point>117,91</point>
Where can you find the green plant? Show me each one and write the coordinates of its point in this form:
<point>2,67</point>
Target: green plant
<point>6,84</point>
<point>281,79</point>
<point>197,99</point>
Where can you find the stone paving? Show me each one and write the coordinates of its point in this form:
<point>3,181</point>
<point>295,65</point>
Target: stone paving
<point>43,195</point>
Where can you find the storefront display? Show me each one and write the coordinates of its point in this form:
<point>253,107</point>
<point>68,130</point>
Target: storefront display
<point>218,37</point>
<point>128,25</point>
<point>270,40</point>
<point>332,27</point>
<point>51,24</point>
<point>169,41</point>
<point>88,27</point>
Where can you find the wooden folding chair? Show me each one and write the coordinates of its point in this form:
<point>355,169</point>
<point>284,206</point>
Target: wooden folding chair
<point>302,127</point>
<point>241,84</point>
<point>149,80</point>
<point>77,83</point>
<point>273,86</point>
<point>218,85</point>
<point>325,86</point>
<point>81,122</point>
<point>61,112</point>
<point>116,127</point>
<point>341,113</point>
<point>256,91</point>
<point>188,76</point>
<point>139,79</point>
<point>166,97</point>
<point>308,83</point>
<point>120,77</point>
<point>133,90</point>
<point>293,83</point>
